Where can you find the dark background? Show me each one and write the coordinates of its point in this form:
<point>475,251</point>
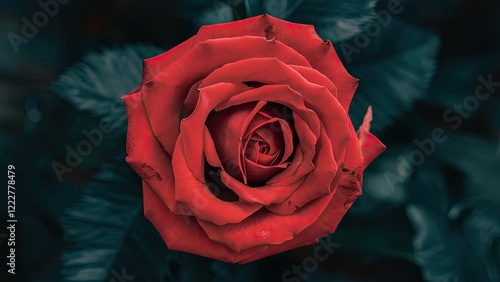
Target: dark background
<point>441,223</point>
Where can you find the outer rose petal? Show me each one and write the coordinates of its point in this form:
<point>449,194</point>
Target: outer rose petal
<point>265,228</point>
<point>154,65</point>
<point>300,37</point>
<point>147,157</point>
<point>184,234</point>
<point>164,95</point>
<point>370,145</point>
<point>316,77</point>
<point>265,195</point>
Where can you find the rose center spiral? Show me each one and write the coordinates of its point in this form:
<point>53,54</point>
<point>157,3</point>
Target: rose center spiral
<point>254,141</point>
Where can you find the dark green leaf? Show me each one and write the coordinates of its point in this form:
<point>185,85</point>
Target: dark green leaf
<point>394,67</point>
<point>464,91</point>
<point>482,229</point>
<point>96,227</point>
<point>97,83</point>
<point>212,12</point>
<point>336,20</point>
<point>281,8</point>
<point>480,163</point>
<point>436,249</point>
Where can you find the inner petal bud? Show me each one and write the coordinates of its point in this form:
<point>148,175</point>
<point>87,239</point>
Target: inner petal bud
<point>265,144</point>
<point>253,142</point>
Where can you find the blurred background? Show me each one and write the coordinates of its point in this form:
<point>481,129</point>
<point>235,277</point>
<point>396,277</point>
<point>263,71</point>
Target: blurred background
<point>431,203</point>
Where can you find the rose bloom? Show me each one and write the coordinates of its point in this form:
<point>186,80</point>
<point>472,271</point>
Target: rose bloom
<point>243,142</point>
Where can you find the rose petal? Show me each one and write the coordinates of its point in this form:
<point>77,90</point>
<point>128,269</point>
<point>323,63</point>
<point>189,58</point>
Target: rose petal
<point>314,76</point>
<point>153,66</point>
<point>226,129</point>
<point>275,127</point>
<point>262,195</point>
<point>146,156</point>
<point>370,145</point>
<point>305,130</point>
<point>268,194</point>
<point>164,95</point>
<point>183,233</point>
<point>209,149</point>
<point>264,131</point>
<point>192,98</point>
<point>192,127</point>
<point>243,129</point>
<point>307,143</point>
<point>252,154</point>
<point>258,172</point>
<point>316,184</point>
<point>196,196</point>
<point>302,38</point>
<point>265,228</point>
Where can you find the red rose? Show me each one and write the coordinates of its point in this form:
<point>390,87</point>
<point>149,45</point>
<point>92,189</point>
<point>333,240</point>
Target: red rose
<point>242,139</point>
